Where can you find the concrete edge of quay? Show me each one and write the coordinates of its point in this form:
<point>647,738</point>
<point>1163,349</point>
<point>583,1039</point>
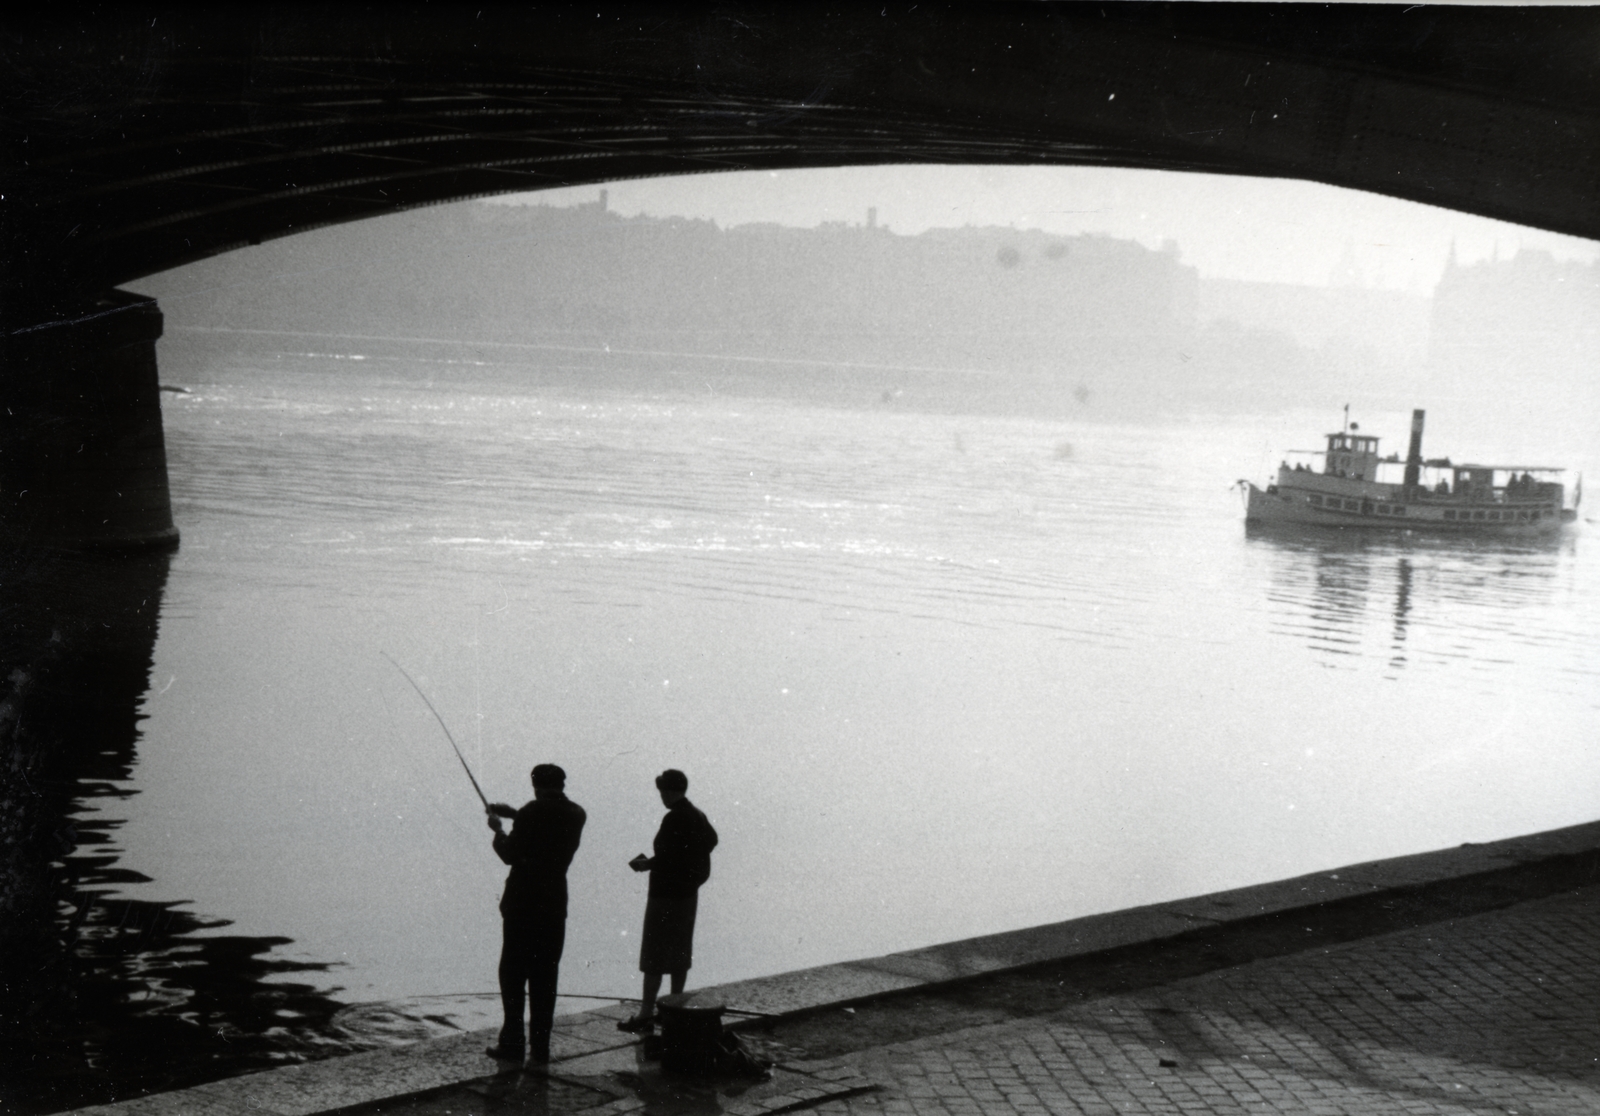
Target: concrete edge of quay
<point>1461,880</point>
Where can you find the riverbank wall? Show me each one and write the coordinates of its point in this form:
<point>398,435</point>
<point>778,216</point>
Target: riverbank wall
<point>1276,919</point>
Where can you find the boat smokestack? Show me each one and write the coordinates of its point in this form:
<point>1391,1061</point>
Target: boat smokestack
<point>1414,454</point>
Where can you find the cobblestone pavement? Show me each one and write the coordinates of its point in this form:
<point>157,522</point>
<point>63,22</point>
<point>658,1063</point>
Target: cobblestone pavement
<point>1493,1013</point>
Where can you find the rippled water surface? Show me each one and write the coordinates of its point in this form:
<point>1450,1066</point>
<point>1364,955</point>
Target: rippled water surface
<point>931,676</point>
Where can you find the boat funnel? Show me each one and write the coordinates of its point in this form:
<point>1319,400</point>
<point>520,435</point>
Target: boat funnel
<point>1414,454</point>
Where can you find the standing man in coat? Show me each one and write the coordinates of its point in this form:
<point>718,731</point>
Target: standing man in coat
<point>533,909</point>
<point>682,862</point>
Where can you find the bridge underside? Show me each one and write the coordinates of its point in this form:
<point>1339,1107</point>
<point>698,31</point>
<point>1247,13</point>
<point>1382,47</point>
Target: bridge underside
<point>142,142</point>
<point>138,142</point>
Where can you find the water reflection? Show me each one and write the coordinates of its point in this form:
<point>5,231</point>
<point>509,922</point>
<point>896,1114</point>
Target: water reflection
<point>109,996</point>
<point>1353,594</point>
<point>1402,607</point>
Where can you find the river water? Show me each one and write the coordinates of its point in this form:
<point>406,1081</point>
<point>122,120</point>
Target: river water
<point>931,675</point>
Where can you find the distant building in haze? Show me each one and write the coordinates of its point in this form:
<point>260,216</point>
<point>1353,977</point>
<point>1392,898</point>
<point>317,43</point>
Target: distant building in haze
<point>1075,320</point>
<point>1520,333</point>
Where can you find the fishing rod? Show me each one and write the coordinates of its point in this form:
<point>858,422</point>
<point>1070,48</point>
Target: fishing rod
<point>444,726</point>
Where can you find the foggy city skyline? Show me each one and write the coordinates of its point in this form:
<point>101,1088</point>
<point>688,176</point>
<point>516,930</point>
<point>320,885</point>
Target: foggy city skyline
<point>744,288</point>
<point>1233,227</point>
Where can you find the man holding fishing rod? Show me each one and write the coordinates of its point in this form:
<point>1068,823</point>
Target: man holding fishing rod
<point>533,909</point>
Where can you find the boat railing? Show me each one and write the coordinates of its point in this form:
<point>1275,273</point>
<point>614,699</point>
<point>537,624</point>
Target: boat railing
<point>1542,492</point>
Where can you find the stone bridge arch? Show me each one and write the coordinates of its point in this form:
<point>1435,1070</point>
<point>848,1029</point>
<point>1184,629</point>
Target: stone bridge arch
<point>138,141</point>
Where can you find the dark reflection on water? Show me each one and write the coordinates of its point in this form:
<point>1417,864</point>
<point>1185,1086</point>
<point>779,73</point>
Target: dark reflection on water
<point>1332,586</point>
<point>107,997</point>
<point>1402,606</point>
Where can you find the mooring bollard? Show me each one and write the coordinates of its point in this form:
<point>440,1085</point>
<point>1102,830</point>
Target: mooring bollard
<point>693,1042</point>
<point>691,1032</point>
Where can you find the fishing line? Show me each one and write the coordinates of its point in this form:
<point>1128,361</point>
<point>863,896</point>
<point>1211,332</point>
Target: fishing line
<point>636,1000</point>
<point>564,996</point>
<point>442,725</point>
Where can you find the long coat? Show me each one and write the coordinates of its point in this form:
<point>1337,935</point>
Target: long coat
<point>682,852</point>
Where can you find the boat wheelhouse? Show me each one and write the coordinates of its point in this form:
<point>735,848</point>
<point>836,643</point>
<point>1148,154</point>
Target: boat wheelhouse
<point>1355,487</point>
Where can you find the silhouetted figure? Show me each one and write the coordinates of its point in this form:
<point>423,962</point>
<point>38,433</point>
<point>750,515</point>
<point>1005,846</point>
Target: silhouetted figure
<point>682,862</point>
<point>533,909</point>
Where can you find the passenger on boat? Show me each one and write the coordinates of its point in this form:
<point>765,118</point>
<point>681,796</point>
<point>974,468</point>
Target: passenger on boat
<point>1442,488</point>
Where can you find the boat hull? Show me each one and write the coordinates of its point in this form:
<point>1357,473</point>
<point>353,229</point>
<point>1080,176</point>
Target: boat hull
<point>1377,508</point>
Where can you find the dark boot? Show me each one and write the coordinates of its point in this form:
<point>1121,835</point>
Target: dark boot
<point>538,1050</point>
<point>509,1048</point>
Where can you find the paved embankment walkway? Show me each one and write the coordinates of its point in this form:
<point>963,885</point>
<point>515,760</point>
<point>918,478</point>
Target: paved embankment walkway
<point>1461,981</point>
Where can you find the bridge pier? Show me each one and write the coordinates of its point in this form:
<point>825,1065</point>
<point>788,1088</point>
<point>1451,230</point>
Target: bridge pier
<point>83,462</point>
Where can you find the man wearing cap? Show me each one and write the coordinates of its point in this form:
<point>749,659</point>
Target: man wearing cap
<point>533,909</point>
<point>682,862</point>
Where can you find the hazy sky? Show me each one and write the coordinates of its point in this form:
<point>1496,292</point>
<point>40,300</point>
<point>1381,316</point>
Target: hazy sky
<point>1229,227</point>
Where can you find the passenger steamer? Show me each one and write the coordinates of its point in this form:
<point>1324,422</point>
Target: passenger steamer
<point>1433,495</point>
